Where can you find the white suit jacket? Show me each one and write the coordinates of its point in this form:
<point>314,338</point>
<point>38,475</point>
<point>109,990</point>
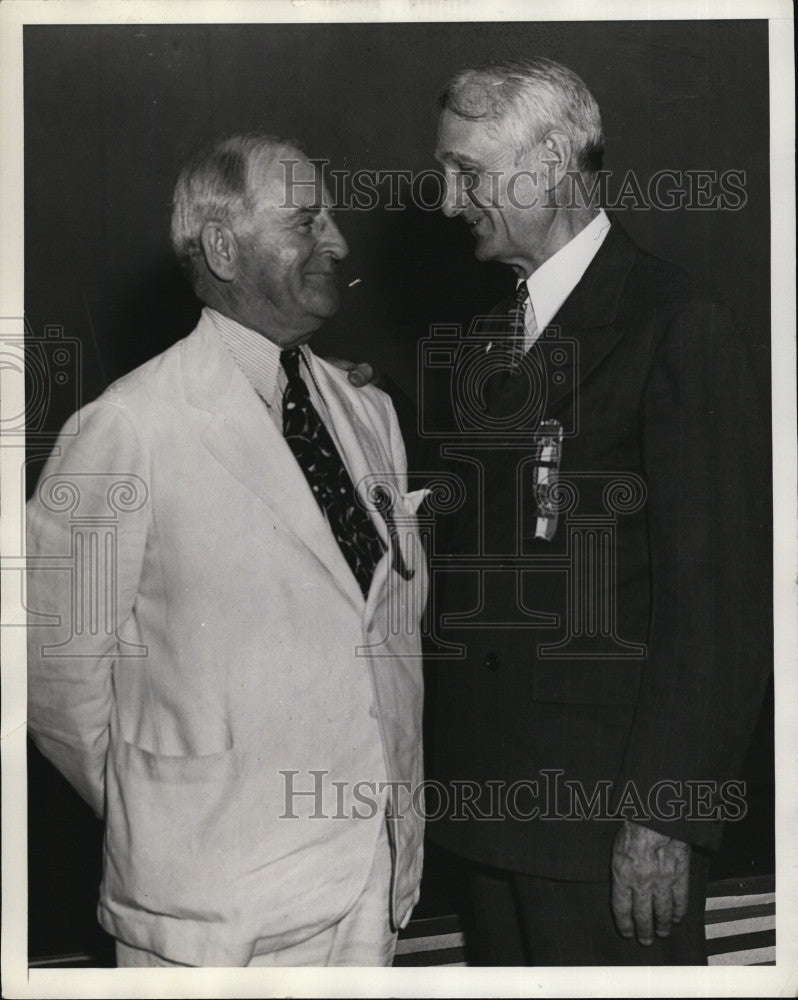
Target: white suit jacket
<point>200,654</point>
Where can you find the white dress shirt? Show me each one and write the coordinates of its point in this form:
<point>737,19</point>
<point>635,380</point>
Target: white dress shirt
<point>259,360</point>
<point>551,284</point>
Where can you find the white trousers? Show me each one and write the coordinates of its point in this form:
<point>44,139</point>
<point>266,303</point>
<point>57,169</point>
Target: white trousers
<point>362,937</point>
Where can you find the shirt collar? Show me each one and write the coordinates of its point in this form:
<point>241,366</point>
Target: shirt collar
<point>256,356</point>
<point>551,284</point>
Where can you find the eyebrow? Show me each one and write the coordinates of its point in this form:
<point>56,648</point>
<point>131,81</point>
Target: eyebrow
<point>463,162</point>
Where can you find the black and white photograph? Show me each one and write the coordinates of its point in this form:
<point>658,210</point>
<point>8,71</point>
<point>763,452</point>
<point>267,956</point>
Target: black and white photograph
<point>398,444</point>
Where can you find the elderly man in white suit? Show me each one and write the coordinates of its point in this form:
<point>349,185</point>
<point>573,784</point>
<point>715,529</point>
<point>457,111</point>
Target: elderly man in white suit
<point>240,698</point>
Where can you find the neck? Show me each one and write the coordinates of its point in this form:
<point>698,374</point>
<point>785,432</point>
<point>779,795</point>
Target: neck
<point>272,327</point>
<point>566,223</point>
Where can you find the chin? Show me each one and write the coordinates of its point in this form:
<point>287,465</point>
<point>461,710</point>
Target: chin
<point>329,308</point>
<point>324,308</point>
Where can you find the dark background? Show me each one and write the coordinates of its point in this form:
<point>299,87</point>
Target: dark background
<point>112,112</point>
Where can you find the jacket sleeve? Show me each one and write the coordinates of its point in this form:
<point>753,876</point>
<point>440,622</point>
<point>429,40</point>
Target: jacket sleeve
<point>86,531</point>
<point>706,467</point>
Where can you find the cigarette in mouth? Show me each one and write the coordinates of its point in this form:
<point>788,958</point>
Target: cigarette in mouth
<point>353,283</point>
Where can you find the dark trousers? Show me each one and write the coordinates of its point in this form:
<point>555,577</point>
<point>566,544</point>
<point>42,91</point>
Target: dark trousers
<point>526,920</point>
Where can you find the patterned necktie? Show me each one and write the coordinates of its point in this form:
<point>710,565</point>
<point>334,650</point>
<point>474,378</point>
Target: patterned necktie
<point>515,331</point>
<point>327,477</point>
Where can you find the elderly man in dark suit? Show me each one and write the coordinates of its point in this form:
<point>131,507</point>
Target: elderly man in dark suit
<point>609,569</point>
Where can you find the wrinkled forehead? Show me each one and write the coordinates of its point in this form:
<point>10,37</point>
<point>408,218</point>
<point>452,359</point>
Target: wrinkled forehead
<point>461,139</point>
<point>284,177</point>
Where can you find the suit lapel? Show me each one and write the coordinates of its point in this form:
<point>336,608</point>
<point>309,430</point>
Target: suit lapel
<point>360,440</point>
<point>366,451</point>
<point>242,437</point>
<point>584,326</point>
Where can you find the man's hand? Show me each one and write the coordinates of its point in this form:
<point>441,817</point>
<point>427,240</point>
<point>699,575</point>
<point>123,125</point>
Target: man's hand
<point>649,882</point>
<point>359,375</point>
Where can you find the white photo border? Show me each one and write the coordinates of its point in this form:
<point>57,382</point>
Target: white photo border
<point>782,979</point>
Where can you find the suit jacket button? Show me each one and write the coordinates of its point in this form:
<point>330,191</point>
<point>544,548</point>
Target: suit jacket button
<point>492,661</point>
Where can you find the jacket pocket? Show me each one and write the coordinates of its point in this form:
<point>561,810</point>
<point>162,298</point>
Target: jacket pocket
<point>171,843</point>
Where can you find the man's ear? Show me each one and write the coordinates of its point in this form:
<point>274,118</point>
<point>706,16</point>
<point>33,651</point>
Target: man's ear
<point>556,158</point>
<point>220,250</point>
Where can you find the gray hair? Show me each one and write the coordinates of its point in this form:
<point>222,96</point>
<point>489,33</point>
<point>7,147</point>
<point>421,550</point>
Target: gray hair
<point>525,98</point>
<point>214,187</point>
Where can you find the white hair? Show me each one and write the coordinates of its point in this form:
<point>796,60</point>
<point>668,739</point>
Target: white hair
<point>526,98</point>
<point>214,187</point>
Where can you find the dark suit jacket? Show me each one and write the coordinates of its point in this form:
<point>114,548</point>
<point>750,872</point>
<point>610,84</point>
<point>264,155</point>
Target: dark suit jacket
<point>634,646</point>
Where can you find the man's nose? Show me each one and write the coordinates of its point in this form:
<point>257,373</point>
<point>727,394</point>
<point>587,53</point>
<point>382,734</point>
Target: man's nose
<point>332,241</point>
<point>452,195</point>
